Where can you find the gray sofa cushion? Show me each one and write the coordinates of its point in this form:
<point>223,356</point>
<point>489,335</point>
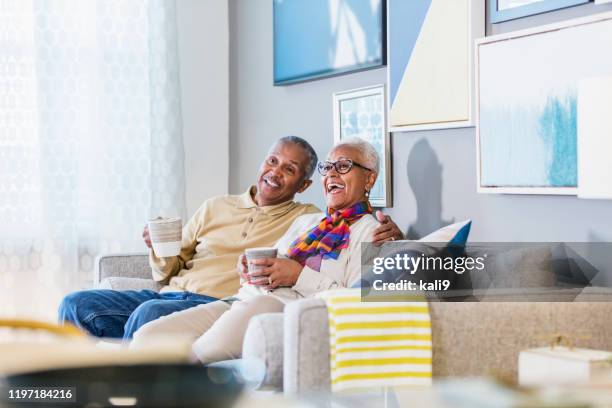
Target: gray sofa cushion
<point>484,339</point>
<point>306,350</point>
<point>122,265</point>
<point>129,284</point>
<point>263,345</point>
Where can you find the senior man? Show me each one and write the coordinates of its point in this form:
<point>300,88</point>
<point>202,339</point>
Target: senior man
<point>213,239</point>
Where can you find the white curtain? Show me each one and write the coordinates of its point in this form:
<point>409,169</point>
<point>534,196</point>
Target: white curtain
<point>90,140</point>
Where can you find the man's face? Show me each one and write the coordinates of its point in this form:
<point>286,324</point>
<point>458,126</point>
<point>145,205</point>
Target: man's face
<point>282,173</point>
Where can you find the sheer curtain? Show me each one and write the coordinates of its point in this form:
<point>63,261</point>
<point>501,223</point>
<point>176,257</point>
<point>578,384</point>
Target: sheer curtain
<point>90,140</point>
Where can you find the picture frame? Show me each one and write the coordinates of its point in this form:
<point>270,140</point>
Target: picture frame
<point>527,136</point>
<point>421,35</point>
<point>362,112</point>
<point>316,40</point>
<point>497,15</point>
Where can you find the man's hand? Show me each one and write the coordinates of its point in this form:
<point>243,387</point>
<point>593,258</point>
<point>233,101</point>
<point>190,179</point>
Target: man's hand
<point>387,231</point>
<point>278,271</point>
<point>243,270</point>
<point>146,237</point>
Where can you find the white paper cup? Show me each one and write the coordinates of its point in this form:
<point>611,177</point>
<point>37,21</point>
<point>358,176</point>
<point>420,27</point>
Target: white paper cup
<point>165,236</point>
<point>259,253</point>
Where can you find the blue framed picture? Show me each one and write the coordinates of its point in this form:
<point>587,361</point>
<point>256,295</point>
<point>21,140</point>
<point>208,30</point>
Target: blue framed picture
<point>504,10</point>
<point>527,138</point>
<point>320,38</point>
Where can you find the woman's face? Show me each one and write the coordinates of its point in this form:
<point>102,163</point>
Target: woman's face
<point>344,190</point>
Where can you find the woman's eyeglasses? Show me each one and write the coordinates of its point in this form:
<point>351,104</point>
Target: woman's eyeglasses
<point>342,166</point>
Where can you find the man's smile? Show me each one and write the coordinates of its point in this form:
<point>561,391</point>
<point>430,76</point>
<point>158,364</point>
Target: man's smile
<point>269,181</point>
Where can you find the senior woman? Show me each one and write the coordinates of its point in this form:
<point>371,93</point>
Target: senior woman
<point>318,252</point>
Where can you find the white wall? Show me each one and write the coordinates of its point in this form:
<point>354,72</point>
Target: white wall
<point>203,40</point>
<point>434,172</point>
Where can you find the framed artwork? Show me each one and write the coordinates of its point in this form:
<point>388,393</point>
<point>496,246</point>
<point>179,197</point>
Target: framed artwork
<point>527,89</point>
<point>361,113</point>
<point>504,10</point>
<point>594,141</point>
<point>430,70</point>
<point>318,39</point>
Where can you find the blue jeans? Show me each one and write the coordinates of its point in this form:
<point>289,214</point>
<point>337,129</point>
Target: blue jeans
<point>118,314</point>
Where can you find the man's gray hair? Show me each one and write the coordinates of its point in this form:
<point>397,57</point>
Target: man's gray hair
<point>312,155</point>
<point>369,153</point>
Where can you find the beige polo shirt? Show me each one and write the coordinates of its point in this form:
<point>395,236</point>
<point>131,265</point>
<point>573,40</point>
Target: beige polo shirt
<point>213,239</point>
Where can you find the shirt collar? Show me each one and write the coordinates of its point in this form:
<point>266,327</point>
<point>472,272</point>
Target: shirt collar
<point>245,200</point>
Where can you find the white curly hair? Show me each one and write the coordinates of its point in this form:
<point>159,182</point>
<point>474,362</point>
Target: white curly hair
<point>368,152</point>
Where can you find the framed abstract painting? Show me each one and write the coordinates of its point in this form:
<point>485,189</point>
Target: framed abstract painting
<point>504,10</point>
<point>361,113</point>
<point>527,88</point>
<point>430,70</point>
<point>323,38</point>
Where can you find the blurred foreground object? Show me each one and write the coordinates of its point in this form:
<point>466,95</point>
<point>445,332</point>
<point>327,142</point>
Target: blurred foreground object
<point>556,365</point>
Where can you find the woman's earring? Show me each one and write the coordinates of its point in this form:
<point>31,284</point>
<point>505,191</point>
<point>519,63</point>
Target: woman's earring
<point>367,193</point>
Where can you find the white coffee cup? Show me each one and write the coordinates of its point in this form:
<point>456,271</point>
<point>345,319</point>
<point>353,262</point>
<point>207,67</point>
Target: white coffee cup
<point>165,236</point>
<point>259,253</point>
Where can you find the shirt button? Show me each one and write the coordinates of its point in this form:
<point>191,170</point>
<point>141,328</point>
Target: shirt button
<point>250,219</point>
<point>244,235</point>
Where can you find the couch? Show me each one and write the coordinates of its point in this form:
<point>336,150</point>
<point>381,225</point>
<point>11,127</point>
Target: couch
<point>469,338</point>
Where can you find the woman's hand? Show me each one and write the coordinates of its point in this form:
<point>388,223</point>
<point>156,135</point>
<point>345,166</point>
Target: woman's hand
<point>242,268</point>
<point>278,271</point>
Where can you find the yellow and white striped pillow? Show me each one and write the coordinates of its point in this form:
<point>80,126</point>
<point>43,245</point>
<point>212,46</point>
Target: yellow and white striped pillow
<point>377,344</point>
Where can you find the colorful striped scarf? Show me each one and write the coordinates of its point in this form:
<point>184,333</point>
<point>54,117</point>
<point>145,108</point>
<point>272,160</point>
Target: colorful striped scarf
<point>329,237</point>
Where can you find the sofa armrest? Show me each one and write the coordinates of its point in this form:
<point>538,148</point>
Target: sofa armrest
<point>263,346</point>
<point>129,284</point>
<point>306,347</point>
<point>122,266</point>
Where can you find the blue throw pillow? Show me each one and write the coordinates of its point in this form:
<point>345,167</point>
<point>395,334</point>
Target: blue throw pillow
<point>456,234</point>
